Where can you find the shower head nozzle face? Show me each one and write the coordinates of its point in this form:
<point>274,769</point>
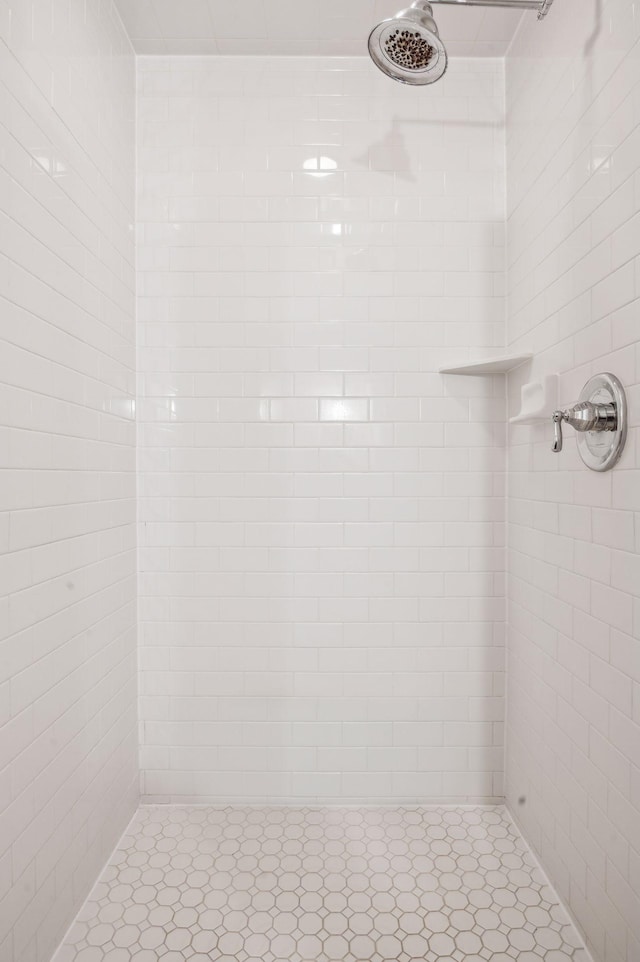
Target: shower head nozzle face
<point>407,47</point>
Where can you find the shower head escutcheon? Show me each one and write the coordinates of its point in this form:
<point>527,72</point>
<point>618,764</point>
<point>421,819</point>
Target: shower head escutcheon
<point>408,48</point>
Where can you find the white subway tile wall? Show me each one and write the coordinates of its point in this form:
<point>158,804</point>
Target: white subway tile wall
<point>67,440</point>
<point>573,734</point>
<point>321,513</point>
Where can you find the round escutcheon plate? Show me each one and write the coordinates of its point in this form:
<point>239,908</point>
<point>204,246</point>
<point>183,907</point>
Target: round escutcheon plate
<point>600,450</point>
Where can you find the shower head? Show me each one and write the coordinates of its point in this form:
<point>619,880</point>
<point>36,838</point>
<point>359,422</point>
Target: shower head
<point>408,48</point>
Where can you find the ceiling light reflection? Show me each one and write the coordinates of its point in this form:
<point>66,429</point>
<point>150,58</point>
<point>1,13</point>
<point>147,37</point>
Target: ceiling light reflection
<point>320,166</point>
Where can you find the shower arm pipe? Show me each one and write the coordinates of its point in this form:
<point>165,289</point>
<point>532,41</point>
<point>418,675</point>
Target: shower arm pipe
<point>542,6</point>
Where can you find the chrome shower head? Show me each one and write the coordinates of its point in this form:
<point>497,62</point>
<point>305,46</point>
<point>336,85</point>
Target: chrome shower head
<point>408,48</point>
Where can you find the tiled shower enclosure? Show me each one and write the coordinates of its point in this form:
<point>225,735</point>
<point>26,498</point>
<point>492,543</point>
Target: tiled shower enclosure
<point>308,651</point>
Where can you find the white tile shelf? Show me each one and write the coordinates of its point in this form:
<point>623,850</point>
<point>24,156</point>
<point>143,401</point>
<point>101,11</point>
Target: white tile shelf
<point>488,365</point>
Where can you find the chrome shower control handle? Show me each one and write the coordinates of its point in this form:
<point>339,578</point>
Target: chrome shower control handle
<point>599,419</point>
<point>557,431</point>
<point>584,416</point>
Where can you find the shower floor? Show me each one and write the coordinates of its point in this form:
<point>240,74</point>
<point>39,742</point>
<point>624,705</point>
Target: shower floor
<point>237,884</point>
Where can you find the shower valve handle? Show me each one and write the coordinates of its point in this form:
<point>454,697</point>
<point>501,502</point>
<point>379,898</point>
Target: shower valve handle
<point>584,416</point>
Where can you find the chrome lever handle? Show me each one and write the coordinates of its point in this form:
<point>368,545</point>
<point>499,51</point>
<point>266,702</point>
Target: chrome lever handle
<point>557,432</point>
<point>584,416</point>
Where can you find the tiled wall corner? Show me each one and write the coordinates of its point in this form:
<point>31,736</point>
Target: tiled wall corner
<point>321,513</point>
<point>67,450</point>
<point>573,732</point>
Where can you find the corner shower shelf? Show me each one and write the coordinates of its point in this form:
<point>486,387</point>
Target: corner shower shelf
<point>488,365</point>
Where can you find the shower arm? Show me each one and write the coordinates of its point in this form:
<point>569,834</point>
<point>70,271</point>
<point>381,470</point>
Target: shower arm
<point>542,6</point>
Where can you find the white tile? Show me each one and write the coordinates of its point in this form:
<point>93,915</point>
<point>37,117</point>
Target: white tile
<point>381,902</point>
<point>67,618</point>
<point>326,493</point>
<point>572,290</point>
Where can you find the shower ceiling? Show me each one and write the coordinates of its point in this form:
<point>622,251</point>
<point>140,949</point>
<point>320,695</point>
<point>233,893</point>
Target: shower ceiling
<point>330,27</point>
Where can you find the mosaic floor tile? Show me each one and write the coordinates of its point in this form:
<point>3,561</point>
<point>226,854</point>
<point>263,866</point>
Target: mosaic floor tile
<point>322,885</point>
